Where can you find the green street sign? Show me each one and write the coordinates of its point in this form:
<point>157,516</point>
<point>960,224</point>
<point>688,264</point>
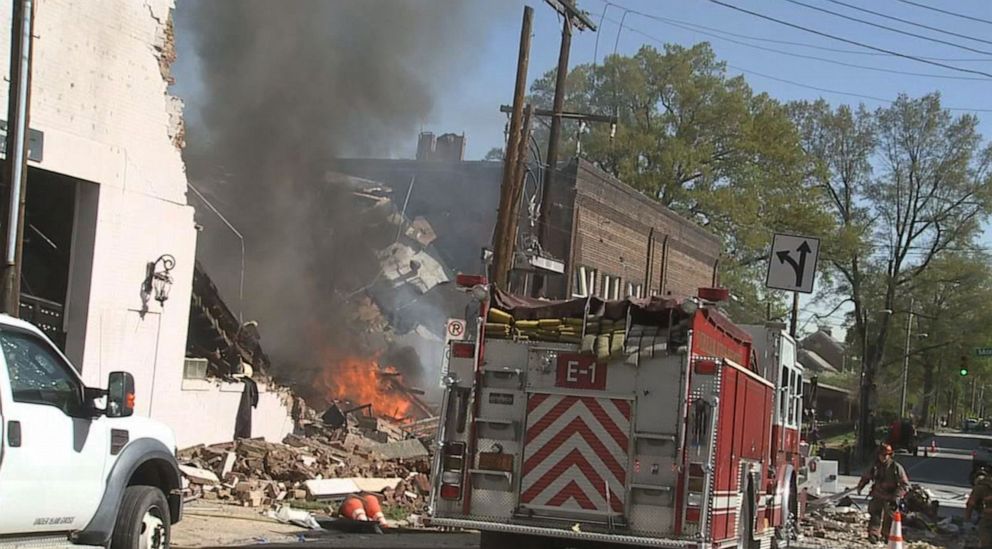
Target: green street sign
<point>983,351</point>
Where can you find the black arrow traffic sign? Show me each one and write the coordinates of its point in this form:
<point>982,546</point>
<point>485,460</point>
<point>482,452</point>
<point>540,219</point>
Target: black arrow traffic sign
<point>799,267</point>
<point>792,263</point>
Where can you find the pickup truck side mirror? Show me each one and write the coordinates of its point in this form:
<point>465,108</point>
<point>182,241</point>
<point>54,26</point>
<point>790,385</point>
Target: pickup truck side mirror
<point>120,394</point>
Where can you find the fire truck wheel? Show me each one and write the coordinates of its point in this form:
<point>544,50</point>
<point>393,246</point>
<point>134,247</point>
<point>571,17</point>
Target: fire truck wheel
<point>790,526</point>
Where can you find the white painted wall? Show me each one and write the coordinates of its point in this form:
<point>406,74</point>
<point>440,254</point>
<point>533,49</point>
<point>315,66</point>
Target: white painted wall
<point>206,411</point>
<point>100,98</point>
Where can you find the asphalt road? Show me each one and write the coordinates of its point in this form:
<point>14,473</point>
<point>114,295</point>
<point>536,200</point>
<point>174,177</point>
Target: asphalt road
<point>404,540</point>
<point>945,474</point>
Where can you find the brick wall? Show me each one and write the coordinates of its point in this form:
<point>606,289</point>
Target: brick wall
<point>614,236</point>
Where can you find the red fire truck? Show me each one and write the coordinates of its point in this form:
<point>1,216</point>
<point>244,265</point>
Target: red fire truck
<point>637,422</point>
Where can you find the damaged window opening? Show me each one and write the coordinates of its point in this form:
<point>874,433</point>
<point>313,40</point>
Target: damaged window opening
<point>49,227</point>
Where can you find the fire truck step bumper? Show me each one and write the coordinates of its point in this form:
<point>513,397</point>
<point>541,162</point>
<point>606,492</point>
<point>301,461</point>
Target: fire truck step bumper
<point>561,533</point>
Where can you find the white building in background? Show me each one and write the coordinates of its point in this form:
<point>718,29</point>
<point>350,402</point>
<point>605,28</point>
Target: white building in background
<point>106,196</point>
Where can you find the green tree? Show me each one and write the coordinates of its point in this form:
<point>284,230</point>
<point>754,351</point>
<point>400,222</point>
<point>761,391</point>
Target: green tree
<point>953,299</point>
<point>838,146</point>
<point>495,153</point>
<point>909,184</point>
<point>702,143</point>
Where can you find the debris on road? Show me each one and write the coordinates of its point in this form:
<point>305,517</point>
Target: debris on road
<point>296,517</point>
<point>845,524</point>
<point>362,455</point>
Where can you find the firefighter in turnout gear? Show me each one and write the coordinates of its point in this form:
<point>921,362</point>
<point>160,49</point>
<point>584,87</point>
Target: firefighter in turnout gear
<point>889,485</point>
<point>980,500</point>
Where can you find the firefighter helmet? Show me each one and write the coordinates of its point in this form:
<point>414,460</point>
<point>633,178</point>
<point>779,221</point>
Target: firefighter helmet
<point>981,475</point>
<point>885,449</point>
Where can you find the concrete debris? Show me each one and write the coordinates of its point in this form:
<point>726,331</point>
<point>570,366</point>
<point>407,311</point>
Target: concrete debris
<point>404,449</point>
<point>846,526</point>
<point>330,488</point>
<point>288,515</point>
<point>324,468</point>
<point>198,475</point>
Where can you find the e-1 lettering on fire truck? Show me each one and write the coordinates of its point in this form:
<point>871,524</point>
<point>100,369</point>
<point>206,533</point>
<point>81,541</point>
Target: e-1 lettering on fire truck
<point>639,422</point>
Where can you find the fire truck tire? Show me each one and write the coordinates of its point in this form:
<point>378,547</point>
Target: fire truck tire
<point>502,540</point>
<point>790,525</point>
<point>794,504</point>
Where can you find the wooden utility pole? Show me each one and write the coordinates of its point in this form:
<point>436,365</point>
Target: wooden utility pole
<point>794,320</point>
<point>519,171</point>
<point>503,237</point>
<point>14,178</point>
<point>572,17</point>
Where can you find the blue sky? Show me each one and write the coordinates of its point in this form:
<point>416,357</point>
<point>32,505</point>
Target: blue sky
<point>470,103</point>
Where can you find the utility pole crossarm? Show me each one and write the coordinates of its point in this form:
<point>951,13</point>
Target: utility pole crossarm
<point>568,115</point>
<point>567,9</point>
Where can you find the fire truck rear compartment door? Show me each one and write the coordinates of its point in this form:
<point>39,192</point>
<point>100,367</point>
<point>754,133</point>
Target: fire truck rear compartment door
<point>576,454</point>
<point>653,484</point>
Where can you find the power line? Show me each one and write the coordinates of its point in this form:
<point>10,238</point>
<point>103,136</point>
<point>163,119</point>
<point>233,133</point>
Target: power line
<point>908,22</point>
<point>793,82</point>
<point>846,40</point>
<point>695,26</point>
<point>755,73</point>
<point>890,29</point>
<point>804,56</point>
<point>945,12</point>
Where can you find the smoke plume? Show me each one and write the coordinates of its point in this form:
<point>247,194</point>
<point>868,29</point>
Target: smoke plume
<point>284,88</point>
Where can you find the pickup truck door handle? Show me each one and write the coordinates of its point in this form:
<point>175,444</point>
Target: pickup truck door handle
<point>14,434</point>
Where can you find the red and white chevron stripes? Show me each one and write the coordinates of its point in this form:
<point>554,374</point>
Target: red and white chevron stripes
<point>575,452</point>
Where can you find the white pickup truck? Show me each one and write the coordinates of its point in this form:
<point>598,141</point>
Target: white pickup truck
<point>76,468</point>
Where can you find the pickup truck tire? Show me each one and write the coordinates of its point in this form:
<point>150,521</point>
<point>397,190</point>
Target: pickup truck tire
<point>142,520</point>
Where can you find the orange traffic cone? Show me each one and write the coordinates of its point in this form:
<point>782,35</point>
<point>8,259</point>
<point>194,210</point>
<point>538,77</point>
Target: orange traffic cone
<point>373,509</point>
<point>895,533</point>
<point>353,508</point>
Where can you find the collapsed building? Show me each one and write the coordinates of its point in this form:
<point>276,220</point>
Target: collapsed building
<point>396,325</point>
<point>606,238</point>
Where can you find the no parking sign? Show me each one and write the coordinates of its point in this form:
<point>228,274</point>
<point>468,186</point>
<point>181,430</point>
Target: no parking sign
<point>456,329</point>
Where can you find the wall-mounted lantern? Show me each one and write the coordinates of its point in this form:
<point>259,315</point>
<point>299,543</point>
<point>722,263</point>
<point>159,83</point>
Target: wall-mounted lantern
<point>158,281</point>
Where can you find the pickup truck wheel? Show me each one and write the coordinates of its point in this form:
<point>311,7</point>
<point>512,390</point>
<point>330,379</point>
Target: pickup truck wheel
<point>143,520</point>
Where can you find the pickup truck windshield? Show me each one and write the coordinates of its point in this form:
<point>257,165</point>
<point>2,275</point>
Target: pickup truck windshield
<point>37,374</point>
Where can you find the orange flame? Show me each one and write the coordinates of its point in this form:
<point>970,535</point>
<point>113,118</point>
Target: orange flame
<point>363,381</point>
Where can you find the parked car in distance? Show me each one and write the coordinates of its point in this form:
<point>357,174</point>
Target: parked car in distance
<point>902,436</point>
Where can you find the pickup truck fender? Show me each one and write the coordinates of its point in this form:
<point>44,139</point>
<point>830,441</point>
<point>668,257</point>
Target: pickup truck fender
<point>144,461</point>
